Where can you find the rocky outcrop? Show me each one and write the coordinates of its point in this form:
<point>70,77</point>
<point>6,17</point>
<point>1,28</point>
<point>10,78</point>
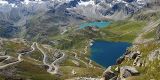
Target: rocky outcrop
<point>138,62</point>
<point>109,74</point>
<point>123,72</point>
<point>135,55</point>
<point>119,73</point>
<point>132,55</point>
<point>120,60</point>
<point>128,71</point>
<point>137,59</point>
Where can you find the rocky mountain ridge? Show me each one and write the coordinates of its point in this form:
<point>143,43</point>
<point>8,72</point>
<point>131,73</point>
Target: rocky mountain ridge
<point>23,15</point>
<point>99,8</point>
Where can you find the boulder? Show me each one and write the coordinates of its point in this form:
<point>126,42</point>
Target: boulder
<point>109,74</point>
<point>128,71</point>
<point>133,55</point>
<point>127,52</point>
<point>138,61</point>
<point>120,60</point>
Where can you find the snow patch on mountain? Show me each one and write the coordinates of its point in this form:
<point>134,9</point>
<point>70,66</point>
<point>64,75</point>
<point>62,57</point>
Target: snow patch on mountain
<point>83,3</point>
<point>3,2</point>
<point>88,8</point>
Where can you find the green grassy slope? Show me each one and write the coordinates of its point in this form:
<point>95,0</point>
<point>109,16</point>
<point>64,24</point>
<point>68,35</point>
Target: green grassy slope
<point>125,31</point>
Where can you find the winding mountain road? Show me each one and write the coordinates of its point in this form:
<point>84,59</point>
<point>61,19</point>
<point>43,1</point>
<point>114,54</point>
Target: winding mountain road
<point>8,57</point>
<point>76,57</point>
<point>35,44</point>
<point>19,58</point>
<point>44,59</point>
<point>85,49</point>
<point>54,64</point>
<point>90,61</point>
<point>33,47</point>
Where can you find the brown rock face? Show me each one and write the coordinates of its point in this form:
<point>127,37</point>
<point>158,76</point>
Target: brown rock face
<point>128,71</point>
<point>109,75</point>
<point>120,60</point>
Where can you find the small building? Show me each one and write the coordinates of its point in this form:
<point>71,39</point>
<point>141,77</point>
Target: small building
<point>92,28</point>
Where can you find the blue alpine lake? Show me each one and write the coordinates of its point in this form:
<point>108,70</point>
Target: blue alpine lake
<point>106,53</point>
<point>100,24</point>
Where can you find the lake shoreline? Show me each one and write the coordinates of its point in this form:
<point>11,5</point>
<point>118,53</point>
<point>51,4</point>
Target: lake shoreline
<point>113,58</point>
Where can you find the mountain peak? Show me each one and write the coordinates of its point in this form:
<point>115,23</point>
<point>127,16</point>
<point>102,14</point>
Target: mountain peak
<point>94,8</point>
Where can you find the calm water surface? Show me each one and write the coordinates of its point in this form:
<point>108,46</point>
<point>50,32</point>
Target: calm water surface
<point>100,24</point>
<point>106,53</point>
